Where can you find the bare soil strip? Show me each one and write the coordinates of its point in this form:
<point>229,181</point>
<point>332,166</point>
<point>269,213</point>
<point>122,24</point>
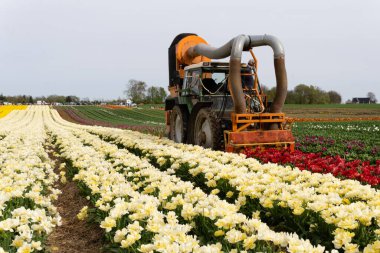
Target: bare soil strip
<point>73,236</point>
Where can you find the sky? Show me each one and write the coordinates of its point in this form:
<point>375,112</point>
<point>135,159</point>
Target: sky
<point>91,48</point>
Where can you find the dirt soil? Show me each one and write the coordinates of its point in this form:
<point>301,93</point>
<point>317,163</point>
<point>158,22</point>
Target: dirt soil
<point>73,236</point>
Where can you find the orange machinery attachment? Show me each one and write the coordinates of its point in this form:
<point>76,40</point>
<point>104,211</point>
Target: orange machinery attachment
<point>240,137</point>
<point>251,129</point>
<point>250,121</point>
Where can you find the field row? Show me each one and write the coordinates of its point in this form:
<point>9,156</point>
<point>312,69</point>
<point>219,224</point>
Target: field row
<point>27,190</point>
<point>143,120</point>
<point>317,163</point>
<point>357,140</point>
<point>166,152</point>
<point>293,198</point>
<point>6,109</point>
<point>350,140</point>
<point>133,116</point>
<point>156,208</point>
<point>151,194</point>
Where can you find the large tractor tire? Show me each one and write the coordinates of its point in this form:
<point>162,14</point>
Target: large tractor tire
<point>207,131</point>
<point>178,124</point>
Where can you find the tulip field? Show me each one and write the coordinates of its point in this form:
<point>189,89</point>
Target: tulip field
<point>345,149</point>
<point>146,193</point>
<point>5,109</point>
<point>140,119</point>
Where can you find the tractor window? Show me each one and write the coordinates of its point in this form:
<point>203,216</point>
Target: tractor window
<point>219,77</point>
<point>213,82</point>
<point>192,82</point>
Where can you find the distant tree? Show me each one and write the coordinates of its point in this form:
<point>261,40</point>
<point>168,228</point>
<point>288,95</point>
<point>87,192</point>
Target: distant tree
<point>72,99</point>
<point>58,99</point>
<point>372,97</point>
<point>155,95</point>
<point>335,97</point>
<point>19,99</point>
<point>290,97</point>
<point>2,98</point>
<point>30,100</point>
<point>85,101</point>
<point>151,94</point>
<point>302,94</point>
<point>75,99</point>
<point>310,94</point>
<point>349,101</point>
<point>43,98</point>
<point>162,94</point>
<point>319,96</point>
<point>136,90</point>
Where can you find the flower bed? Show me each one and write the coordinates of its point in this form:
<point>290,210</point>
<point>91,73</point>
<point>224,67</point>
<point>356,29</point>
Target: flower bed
<point>143,208</point>
<point>315,162</point>
<point>150,194</point>
<point>350,140</point>
<point>76,116</point>
<point>316,204</point>
<point>27,190</point>
<point>6,109</point>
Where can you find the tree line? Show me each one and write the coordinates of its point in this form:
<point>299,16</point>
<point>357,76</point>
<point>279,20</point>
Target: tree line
<point>52,99</point>
<point>139,92</point>
<point>307,94</point>
<point>26,99</point>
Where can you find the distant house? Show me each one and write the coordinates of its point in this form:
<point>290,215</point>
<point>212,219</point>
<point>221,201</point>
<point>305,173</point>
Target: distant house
<point>361,100</point>
<point>129,103</point>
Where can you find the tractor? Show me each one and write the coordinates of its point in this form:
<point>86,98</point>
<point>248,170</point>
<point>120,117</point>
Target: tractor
<point>221,105</point>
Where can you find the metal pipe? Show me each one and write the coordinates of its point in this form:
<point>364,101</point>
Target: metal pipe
<point>234,80</point>
<point>211,52</point>
<point>268,40</point>
<point>279,68</point>
<point>234,49</point>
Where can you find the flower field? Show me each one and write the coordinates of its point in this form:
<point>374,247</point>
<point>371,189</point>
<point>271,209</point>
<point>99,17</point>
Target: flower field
<point>6,109</point>
<point>316,162</point>
<point>345,149</point>
<point>149,194</point>
<point>27,190</point>
<point>139,119</point>
<point>350,140</point>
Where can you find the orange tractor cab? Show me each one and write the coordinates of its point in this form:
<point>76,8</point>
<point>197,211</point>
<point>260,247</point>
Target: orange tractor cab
<point>221,105</point>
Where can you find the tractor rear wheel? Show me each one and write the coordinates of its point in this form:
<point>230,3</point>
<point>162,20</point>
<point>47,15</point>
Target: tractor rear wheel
<point>178,124</point>
<point>207,130</point>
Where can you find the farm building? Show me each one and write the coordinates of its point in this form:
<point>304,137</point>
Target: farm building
<point>361,100</point>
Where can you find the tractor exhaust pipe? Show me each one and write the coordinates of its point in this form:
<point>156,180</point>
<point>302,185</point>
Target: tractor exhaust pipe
<point>234,48</point>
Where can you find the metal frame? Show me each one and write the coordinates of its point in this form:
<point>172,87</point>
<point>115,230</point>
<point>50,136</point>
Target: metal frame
<point>241,122</point>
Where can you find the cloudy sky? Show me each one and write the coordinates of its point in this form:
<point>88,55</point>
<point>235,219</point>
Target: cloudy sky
<point>91,48</point>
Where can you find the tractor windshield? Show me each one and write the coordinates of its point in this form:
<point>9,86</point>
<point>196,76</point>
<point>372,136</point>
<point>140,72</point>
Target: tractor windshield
<point>219,77</point>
